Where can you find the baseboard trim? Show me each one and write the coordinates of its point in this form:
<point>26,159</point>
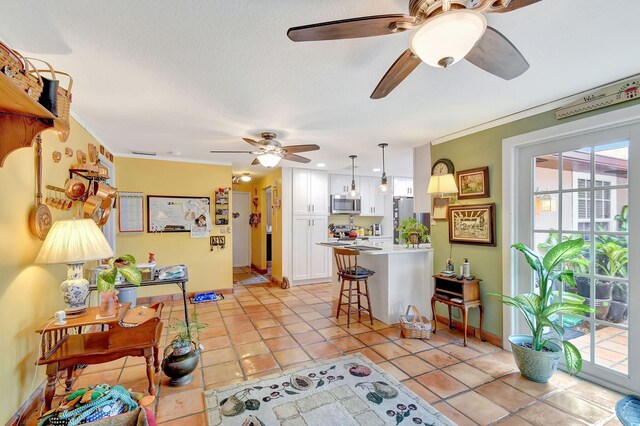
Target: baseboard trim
<point>259,270</point>
<point>148,300</point>
<point>443,321</point>
<point>30,406</point>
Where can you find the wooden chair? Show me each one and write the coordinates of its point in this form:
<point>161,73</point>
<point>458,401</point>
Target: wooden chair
<point>348,270</point>
<point>105,346</point>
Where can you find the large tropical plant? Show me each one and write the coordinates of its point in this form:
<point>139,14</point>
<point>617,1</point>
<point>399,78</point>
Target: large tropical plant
<point>540,310</point>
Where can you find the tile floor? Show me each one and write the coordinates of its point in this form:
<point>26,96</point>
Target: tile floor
<point>263,329</point>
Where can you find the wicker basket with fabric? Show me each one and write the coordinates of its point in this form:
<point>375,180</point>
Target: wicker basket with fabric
<point>20,71</point>
<point>415,326</point>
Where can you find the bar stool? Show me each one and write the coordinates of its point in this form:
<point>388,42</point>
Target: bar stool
<point>348,270</point>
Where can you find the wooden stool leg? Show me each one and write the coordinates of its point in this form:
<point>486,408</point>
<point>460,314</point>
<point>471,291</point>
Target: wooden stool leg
<point>433,312</point>
<point>366,288</point>
<point>68,382</point>
<point>50,388</point>
<point>450,322</point>
<point>156,359</point>
<point>349,305</point>
<point>481,321</point>
<point>359,303</point>
<point>148,354</point>
<point>465,313</point>
<point>340,298</point>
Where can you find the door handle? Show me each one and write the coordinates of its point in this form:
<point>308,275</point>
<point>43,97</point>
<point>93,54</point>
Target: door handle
<point>313,207</point>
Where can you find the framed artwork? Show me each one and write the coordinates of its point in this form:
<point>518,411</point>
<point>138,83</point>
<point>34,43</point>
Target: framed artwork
<point>440,208</point>
<point>473,224</point>
<point>178,213</point>
<point>473,183</point>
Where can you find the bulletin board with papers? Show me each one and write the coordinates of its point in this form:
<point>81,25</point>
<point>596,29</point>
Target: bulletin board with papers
<point>179,214</point>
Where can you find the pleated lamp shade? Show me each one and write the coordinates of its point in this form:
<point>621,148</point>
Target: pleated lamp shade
<point>444,184</point>
<point>74,241</point>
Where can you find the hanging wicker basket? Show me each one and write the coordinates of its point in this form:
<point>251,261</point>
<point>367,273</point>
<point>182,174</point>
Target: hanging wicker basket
<point>20,71</point>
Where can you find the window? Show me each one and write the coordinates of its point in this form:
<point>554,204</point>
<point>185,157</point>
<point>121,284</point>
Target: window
<point>602,207</point>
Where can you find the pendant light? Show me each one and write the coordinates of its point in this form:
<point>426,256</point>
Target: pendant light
<point>353,193</point>
<point>384,187</point>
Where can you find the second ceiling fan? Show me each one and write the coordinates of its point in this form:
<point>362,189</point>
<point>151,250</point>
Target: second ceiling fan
<point>269,151</point>
<point>446,32</point>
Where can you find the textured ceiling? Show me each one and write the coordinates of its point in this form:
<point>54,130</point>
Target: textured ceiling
<point>192,76</point>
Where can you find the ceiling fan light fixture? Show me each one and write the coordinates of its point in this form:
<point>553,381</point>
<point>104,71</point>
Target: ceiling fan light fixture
<point>445,39</point>
<point>269,160</point>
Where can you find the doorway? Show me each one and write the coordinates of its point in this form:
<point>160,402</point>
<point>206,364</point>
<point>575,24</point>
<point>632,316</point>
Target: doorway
<point>241,202</point>
<point>582,186</point>
<point>269,229</point>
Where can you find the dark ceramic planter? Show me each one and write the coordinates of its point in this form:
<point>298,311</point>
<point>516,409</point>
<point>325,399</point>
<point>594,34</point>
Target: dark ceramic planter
<point>620,294</point>
<point>617,312</point>
<point>603,291</point>
<point>180,364</point>
<point>602,306</point>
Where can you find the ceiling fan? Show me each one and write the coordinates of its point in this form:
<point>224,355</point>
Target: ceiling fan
<point>445,32</point>
<point>269,151</point>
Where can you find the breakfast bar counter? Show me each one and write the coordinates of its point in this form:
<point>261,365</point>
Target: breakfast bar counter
<point>403,276</point>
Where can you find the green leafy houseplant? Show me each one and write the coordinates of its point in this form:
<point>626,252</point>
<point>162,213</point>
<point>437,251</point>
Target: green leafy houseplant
<point>185,333</point>
<point>125,265</point>
<point>539,309</point>
<point>412,229</point>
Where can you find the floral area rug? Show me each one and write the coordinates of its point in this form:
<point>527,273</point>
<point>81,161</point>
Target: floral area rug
<point>350,390</point>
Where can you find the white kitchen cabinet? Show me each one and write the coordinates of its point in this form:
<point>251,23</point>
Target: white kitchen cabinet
<point>371,199</point>
<point>310,192</point>
<point>310,261</point>
<point>402,187</point>
<point>320,257</point>
<point>341,184</point>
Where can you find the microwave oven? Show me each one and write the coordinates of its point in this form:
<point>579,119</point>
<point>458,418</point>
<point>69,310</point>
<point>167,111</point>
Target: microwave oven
<point>342,204</point>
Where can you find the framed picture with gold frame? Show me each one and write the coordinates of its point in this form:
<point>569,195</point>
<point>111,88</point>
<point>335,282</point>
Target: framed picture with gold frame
<point>473,183</point>
<point>473,224</point>
<point>440,208</point>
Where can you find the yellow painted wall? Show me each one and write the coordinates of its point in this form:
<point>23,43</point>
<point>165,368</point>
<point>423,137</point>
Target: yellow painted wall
<point>208,270</point>
<point>29,293</point>
<point>259,235</point>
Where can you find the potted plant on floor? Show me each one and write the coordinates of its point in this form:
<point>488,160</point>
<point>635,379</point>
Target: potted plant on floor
<point>413,232</point>
<point>537,355</point>
<point>120,269</point>
<point>181,356</point>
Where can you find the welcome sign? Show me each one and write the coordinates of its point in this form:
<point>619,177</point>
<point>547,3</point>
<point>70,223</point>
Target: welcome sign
<point>611,95</point>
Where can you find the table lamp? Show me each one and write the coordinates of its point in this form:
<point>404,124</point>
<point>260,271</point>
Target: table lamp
<point>74,242</point>
<point>442,184</point>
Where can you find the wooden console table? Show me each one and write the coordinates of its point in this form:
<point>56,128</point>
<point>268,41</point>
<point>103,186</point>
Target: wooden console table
<point>63,351</point>
<point>467,295</point>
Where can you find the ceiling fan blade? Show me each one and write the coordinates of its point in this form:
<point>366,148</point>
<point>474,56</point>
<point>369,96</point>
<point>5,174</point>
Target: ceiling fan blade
<point>498,7</point>
<point>252,142</point>
<point>255,162</point>
<point>297,158</point>
<point>231,152</point>
<point>401,68</point>
<point>301,148</point>
<point>495,54</point>
<point>366,26</point>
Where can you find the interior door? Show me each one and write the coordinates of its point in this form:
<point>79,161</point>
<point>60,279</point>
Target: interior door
<point>584,187</point>
<point>241,229</point>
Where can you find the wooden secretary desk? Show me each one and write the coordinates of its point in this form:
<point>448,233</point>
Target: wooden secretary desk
<point>464,294</point>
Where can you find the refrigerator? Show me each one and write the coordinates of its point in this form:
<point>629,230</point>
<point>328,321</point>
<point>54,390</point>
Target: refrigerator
<point>403,209</point>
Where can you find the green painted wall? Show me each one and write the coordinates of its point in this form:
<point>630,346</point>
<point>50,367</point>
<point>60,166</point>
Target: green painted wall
<point>477,150</point>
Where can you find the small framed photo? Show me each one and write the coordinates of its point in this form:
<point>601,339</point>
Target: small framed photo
<point>440,208</point>
<point>473,224</point>
<point>473,183</point>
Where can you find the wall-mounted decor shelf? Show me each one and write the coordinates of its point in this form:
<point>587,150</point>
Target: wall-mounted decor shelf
<point>22,118</point>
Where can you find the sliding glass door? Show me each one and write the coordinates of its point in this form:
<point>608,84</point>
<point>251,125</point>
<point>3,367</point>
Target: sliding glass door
<point>580,187</point>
